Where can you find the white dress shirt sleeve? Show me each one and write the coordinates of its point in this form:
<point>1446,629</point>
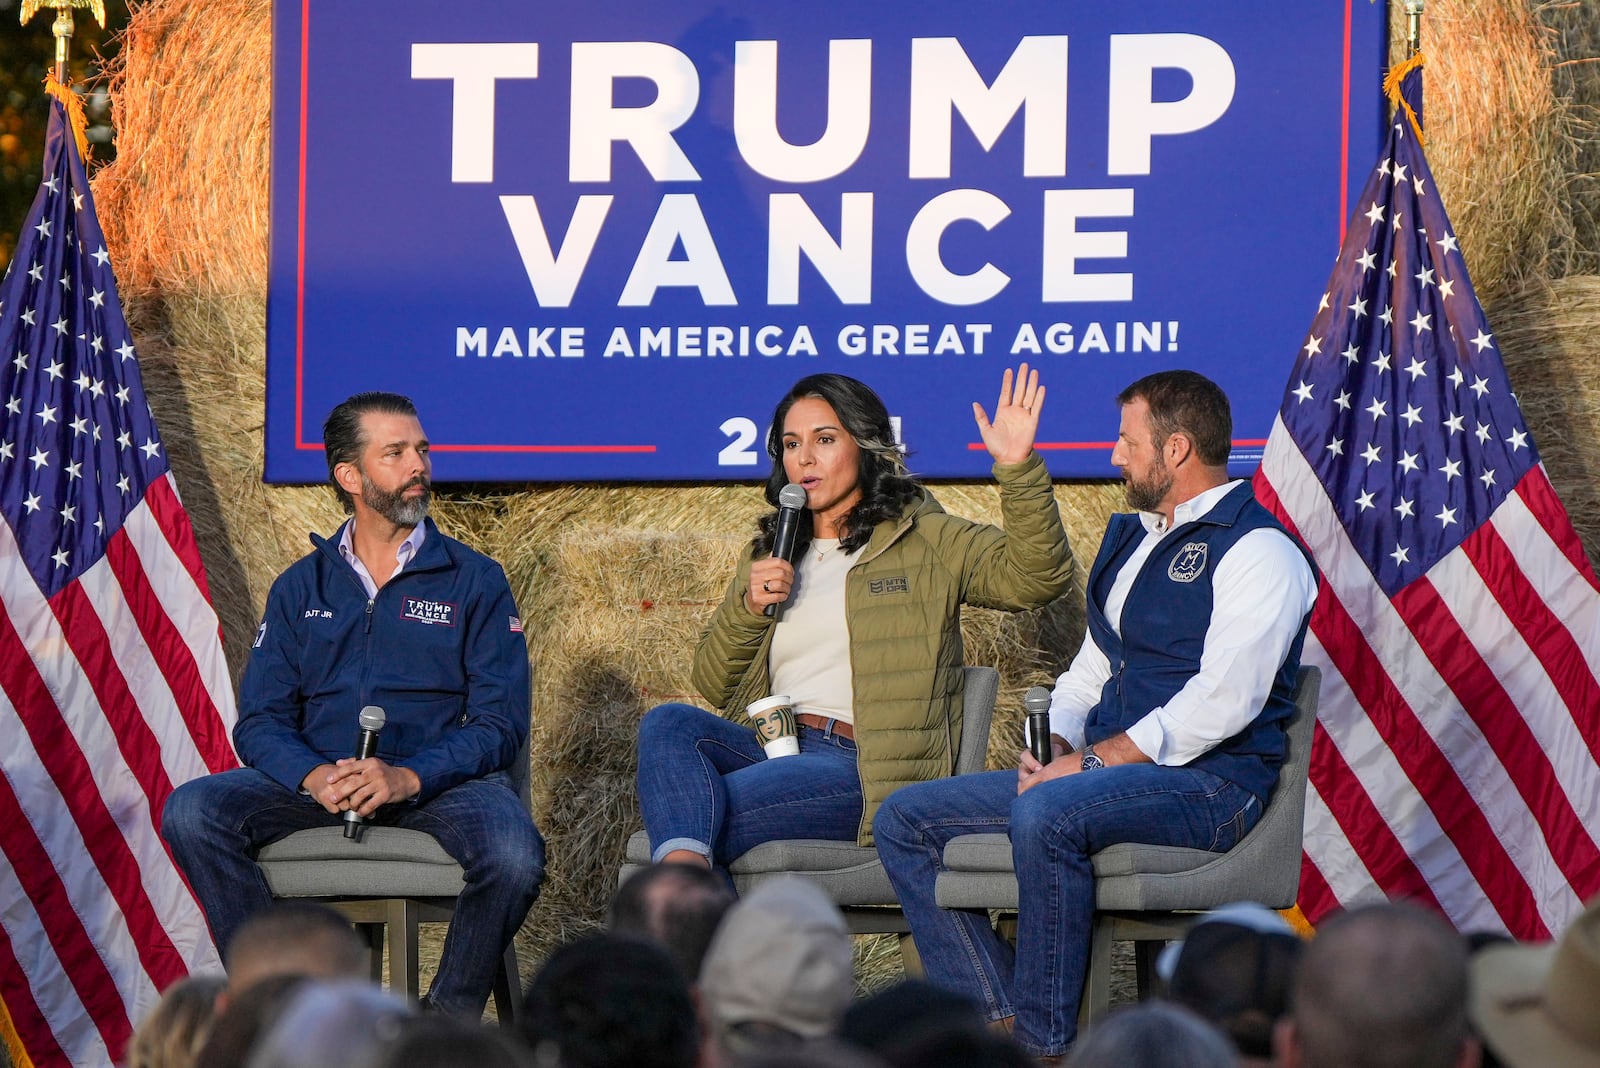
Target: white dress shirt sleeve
<point>1261,591</point>
<point>1078,691</point>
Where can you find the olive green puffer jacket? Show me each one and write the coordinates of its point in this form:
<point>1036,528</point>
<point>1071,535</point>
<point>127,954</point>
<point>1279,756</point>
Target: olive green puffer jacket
<point>903,600</point>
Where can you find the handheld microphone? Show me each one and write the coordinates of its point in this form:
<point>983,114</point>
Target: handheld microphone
<point>1037,702</point>
<point>371,720</point>
<point>791,502</point>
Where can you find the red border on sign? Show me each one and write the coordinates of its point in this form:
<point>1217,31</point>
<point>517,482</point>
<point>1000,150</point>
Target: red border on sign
<point>300,278</point>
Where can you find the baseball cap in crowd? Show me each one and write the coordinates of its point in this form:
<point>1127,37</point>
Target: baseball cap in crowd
<point>1539,1005</point>
<point>1234,968</point>
<point>779,966</point>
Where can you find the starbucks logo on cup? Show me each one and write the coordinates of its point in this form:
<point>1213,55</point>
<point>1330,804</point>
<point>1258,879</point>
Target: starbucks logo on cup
<point>775,725</point>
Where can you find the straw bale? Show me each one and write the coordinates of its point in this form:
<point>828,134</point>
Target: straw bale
<point>1575,32</point>
<point>1546,335</point>
<point>1498,140</point>
<point>187,207</point>
<point>630,606</point>
<point>878,963</point>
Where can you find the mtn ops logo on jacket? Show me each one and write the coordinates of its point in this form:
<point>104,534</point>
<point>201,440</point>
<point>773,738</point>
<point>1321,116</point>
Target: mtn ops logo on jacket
<point>1189,564</point>
<point>435,613</point>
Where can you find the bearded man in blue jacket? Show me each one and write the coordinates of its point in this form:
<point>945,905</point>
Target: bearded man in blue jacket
<point>1176,702</point>
<point>390,613</point>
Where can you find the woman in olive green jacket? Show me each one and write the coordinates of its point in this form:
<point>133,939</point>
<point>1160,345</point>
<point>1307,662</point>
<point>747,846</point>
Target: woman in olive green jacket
<point>866,636</point>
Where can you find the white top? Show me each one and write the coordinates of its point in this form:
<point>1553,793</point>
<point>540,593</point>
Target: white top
<point>1261,590</point>
<point>810,654</point>
<point>402,555</point>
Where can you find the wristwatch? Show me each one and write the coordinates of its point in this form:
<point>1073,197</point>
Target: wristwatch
<point>1090,760</point>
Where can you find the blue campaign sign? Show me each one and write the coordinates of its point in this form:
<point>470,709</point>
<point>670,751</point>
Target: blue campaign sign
<point>599,240</point>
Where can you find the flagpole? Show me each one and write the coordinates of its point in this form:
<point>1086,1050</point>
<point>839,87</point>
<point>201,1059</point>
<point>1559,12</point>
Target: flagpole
<point>123,695</point>
<point>62,27</point>
<point>1414,26</point>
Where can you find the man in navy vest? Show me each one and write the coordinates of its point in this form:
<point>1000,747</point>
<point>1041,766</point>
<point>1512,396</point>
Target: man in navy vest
<point>1167,728</point>
<point>394,614</point>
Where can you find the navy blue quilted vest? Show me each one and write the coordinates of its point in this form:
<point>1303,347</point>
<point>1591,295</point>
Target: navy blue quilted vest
<point>1163,631</point>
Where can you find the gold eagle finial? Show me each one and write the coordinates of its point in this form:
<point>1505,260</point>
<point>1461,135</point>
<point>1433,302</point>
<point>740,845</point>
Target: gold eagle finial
<point>63,24</point>
<point>97,8</point>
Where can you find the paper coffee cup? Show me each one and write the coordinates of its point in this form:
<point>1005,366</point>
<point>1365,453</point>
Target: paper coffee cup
<point>775,725</point>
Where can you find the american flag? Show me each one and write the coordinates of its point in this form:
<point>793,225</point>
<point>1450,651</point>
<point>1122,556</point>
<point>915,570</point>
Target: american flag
<point>113,686</point>
<point>1457,755</point>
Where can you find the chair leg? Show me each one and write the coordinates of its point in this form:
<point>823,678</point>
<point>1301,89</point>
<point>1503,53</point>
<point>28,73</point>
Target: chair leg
<point>1145,952</point>
<point>402,919</point>
<point>508,988</point>
<point>910,959</point>
<point>1096,1001</point>
<point>372,934</point>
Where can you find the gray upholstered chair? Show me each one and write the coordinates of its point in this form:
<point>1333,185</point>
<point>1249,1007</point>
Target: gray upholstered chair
<point>391,880</point>
<point>1148,894</point>
<point>851,874</point>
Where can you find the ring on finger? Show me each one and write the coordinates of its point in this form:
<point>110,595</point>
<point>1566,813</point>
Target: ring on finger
<point>765,588</point>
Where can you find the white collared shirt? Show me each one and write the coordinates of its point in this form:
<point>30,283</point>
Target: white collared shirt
<point>402,555</point>
<point>1261,590</point>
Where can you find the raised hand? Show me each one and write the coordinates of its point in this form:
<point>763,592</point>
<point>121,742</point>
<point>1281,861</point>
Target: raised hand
<point>1009,438</point>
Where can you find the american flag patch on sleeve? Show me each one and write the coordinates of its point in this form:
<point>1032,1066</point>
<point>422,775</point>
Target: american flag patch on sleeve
<point>516,624</point>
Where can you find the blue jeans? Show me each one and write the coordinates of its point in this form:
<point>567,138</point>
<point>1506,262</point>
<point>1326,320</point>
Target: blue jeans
<point>706,785</point>
<point>1054,828</point>
<point>213,825</point>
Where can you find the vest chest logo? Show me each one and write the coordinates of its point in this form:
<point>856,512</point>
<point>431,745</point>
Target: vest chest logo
<point>434,613</point>
<point>1189,564</point>
<point>897,584</point>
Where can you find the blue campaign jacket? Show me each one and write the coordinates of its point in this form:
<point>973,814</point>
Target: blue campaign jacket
<point>439,649</point>
<point>1163,633</point>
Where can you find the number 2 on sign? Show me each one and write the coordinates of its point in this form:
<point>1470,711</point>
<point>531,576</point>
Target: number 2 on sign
<point>738,452</point>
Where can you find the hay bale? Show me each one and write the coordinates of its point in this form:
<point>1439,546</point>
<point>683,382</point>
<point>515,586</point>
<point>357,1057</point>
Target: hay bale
<point>1575,71</point>
<point>632,605</point>
<point>185,204</point>
<point>1546,335</point>
<point>1499,142</point>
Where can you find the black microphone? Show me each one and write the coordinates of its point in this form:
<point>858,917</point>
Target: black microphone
<point>371,720</point>
<point>791,502</point>
<point>1037,702</point>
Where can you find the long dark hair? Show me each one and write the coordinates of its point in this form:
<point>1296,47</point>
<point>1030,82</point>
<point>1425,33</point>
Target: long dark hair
<point>886,488</point>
